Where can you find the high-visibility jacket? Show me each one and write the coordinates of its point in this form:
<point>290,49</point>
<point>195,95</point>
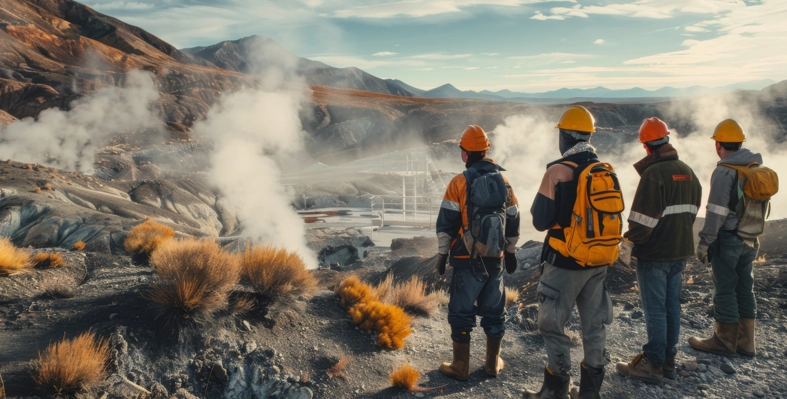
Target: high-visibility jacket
<point>453,219</point>
<point>553,206</point>
<point>661,221</point>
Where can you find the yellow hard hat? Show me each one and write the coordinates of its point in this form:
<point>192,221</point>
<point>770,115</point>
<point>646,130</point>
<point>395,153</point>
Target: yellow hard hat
<point>577,118</point>
<point>729,131</point>
<point>474,139</point>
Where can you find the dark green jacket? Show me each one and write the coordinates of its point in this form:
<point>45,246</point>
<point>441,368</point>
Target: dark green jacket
<point>661,221</point>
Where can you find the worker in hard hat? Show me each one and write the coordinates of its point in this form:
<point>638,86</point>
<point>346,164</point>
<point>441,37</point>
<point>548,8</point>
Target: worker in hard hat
<point>564,281</point>
<point>730,255</point>
<point>477,232</point>
<point>661,236</point>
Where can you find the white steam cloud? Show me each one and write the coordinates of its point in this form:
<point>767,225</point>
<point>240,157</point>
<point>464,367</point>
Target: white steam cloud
<point>253,133</point>
<point>70,139</point>
<point>524,144</point>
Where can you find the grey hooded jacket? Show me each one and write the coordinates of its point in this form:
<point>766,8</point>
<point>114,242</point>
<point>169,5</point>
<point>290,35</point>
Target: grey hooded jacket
<point>723,197</point>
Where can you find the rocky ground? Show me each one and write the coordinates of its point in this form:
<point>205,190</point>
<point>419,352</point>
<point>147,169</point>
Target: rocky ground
<point>285,351</point>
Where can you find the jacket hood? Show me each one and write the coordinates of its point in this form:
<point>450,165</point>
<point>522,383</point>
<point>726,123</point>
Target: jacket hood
<point>742,157</point>
<point>665,153</point>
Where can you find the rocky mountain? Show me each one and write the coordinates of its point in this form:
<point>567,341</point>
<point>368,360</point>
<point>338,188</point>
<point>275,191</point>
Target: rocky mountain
<point>253,54</point>
<point>55,51</point>
<point>599,94</point>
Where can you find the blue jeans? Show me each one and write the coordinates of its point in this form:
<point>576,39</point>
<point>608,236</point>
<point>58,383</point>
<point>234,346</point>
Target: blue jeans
<point>471,298</point>
<point>659,289</point>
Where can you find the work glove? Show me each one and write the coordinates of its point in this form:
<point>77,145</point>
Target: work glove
<point>702,254</point>
<point>624,252</point>
<point>442,259</point>
<point>510,261</point>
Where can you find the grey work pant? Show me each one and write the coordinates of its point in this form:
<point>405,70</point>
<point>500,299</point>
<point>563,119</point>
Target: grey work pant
<point>558,291</point>
<point>733,278</point>
<point>471,298</point>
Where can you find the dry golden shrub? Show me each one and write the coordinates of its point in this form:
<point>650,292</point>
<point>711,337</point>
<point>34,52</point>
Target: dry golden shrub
<point>47,187</point>
<point>79,245</point>
<point>410,296</point>
<point>337,370</point>
<point>391,322</point>
<point>193,278</point>
<point>70,366</point>
<point>405,378</point>
<point>145,237</point>
<point>352,291</point>
<point>512,295</point>
<point>12,259</point>
<point>44,260</point>
<point>276,273</point>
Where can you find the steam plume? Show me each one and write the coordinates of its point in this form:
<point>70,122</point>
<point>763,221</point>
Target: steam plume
<point>70,139</point>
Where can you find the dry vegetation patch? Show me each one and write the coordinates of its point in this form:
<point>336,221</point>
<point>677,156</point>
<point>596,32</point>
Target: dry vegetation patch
<point>12,259</point>
<point>276,273</point>
<point>337,370</point>
<point>79,245</point>
<point>390,321</point>
<point>45,260</point>
<point>410,295</point>
<point>146,237</point>
<point>193,278</point>
<point>70,366</point>
<point>406,378</point>
<point>512,296</point>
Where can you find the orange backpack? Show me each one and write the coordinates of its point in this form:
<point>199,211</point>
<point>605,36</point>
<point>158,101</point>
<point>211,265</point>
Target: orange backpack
<point>757,184</point>
<point>596,227</point>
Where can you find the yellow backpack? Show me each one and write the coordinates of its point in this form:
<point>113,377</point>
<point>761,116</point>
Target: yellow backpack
<point>757,184</point>
<point>593,236</point>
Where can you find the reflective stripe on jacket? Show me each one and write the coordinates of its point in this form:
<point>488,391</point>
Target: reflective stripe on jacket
<point>661,221</point>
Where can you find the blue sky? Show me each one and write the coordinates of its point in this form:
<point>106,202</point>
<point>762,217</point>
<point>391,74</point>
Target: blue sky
<point>520,45</point>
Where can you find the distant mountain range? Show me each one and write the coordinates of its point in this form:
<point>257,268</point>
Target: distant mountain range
<point>254,54</point>
<point>597,93</point>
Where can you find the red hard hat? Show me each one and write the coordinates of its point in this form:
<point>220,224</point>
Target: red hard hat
<point>652,129</point>
<point>474,139</point>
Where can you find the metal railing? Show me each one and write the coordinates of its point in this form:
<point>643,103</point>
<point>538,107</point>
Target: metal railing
<point>413,211</point>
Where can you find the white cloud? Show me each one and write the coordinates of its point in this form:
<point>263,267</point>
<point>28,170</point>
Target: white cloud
<point>598,41</point>
<point>550,58</point>
<point>383,54</point>
<point>421,8</point>
<point>695,29</point>
<point>654,9</point>
<point>123,5</point>
<point>471,68</point>
<point>441,56</point>
<point>541,17</point>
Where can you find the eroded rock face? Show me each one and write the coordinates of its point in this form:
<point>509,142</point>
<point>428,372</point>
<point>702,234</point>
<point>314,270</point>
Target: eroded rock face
<point>100,213</point>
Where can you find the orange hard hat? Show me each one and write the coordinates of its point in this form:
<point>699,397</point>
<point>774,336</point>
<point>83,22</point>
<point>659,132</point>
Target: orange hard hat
<point>652,129</point>
<point>474,139</point>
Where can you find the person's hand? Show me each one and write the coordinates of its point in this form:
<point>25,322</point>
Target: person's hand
<point>442,259</point>
<point>624,253</point>
<point>702,253</point>
<point>510,261</point>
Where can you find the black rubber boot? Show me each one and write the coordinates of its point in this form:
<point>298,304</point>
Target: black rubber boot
<point>589,383</point>
<point>555,387</point>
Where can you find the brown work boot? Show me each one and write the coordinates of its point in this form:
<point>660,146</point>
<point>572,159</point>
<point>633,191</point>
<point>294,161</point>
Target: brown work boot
<point>640,368</point>
<point>669,366</point>
<point>494,364</point>
<point>460,367</point>
<point>554,387</point>
<point>746,345</point>
<point>724,341</point>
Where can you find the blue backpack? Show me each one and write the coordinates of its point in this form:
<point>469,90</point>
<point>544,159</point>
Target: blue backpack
<point>487,202</point>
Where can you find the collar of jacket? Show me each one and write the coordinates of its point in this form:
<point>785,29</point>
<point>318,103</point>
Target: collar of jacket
<point>487,165</point>
<point>580,158</point>
<point>665,153</point>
